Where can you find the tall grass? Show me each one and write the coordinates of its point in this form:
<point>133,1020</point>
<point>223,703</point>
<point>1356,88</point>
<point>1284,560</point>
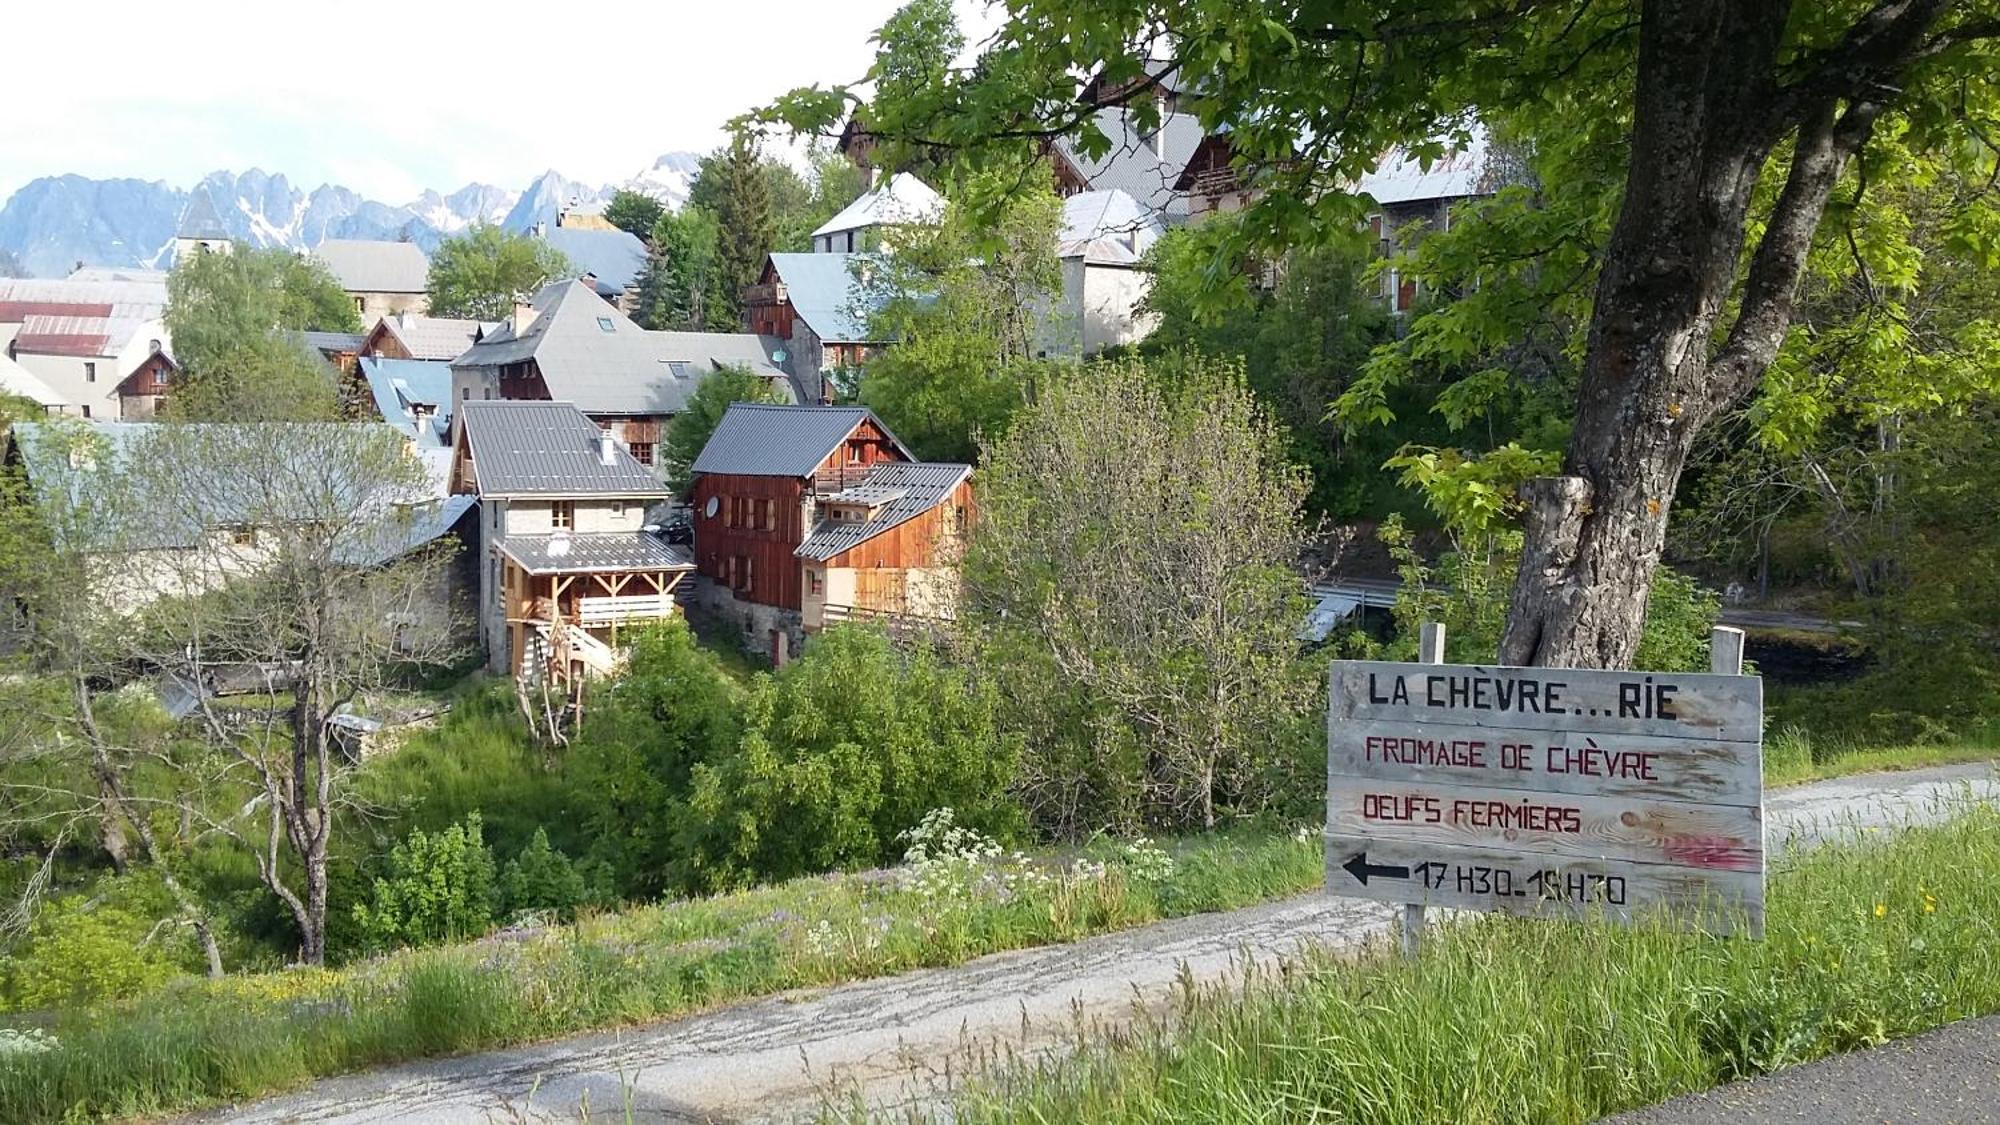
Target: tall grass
<point>1502,1020</point>
<point>1794,754</point>
<point>199,1041</point>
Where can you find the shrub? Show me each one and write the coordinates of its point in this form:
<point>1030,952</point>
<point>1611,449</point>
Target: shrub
<point>440,887</point>
<point>541,878</point>
<point>91,946</point>
<point>842,750</point>
<point>631,766</point>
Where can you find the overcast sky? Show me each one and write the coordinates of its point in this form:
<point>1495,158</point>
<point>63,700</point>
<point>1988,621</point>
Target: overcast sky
<point>389,97</point>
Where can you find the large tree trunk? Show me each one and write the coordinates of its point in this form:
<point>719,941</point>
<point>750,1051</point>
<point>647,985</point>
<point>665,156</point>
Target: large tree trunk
<point>1709,113</point>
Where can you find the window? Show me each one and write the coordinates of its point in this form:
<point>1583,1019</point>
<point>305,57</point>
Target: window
<point>86,412</point>
<point>854,454</point>
<point>604,324</point>
<point>765,522</point>
<point>729,512</point>
<point>360,305</point>
<point>90,373</point>
<point>243,536</point>
<point>642,452</point>
<point>618,509</point>
<point>562,515</point>
<point>465,394</point>
<point>815,583</point>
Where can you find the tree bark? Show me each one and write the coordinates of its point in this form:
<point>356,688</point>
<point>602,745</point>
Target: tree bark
<point>1709,112</point>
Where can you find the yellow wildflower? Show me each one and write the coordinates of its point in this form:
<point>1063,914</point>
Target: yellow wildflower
<point>1881,910</point>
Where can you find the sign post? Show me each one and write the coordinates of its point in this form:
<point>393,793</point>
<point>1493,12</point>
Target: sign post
<point>1548,791</point>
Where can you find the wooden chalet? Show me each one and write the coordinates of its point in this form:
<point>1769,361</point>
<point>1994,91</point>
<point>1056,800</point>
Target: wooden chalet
<point>567,561</point>
<point>570,346</point>
<point>807,515</point>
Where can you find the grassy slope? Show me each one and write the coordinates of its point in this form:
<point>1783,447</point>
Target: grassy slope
<point>196,1041</point>
<point>203,1041</point>
<point>1505,1021</point>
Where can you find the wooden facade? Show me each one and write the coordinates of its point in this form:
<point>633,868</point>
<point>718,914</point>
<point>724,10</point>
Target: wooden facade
<point>748,544</point>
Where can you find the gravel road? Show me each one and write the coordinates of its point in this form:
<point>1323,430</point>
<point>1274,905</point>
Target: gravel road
<point>896,1039</point>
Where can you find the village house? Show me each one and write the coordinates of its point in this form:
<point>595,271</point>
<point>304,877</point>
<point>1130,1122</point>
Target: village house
<point>817,305</point>
<point>902,200</point>
<point>1103,241</point>
<point>99,345</point>
<point>17,382</point>
<point>412,395</point>
<point>1214,182</point>
<point>569,346</point>
<point>605,257</point>
<point>338,349</point>
<point>202,532</point>
<point>383,278</point>
<point>415,336</point>
<point>568,558</point>
<point>1412,196</point>
<point>805,516</point>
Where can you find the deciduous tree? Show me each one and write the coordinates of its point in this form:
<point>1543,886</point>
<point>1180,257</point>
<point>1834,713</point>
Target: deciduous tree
<point>1700,144</point>
<point>1130,581</point>
<point>484,273</point>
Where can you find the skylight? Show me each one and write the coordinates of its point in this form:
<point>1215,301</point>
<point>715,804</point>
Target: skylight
<point>604,323</point>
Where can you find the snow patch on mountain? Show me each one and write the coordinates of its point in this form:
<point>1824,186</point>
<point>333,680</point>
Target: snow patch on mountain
<point>55,223</point>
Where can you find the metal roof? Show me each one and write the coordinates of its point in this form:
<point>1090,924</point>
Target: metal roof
<point>902,198</point>
<point>185,510</point>
<point>87,336</point>
<point>373,266</point>
<point>915,486</point>
<point>614,257</point>
<point>129,300</point>
<point>591,354</point>
<point>824,292</point>
<point>590,554</point>
<point>435,337</point>
<point>1403,178</point>
<point>759,440</point>
<point>1113,216</point>
<point>399,385</point>
<point>548,449</point>
<point>1144,165</point>
<point>410,528</point>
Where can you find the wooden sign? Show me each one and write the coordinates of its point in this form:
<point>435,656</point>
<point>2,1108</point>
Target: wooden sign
<point>1545,791</point>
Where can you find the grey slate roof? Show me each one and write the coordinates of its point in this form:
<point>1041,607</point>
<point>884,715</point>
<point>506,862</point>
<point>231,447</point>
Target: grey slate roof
<point>614,257</point>
<point>349,342</point>
<point>435,337</point>
<point>903,490</point>
<point>754,439</point>
<point>200,219</point>
<point>372,266</point>
<point>593,355</point>
<point>547,449</point>
<point>590,554</point>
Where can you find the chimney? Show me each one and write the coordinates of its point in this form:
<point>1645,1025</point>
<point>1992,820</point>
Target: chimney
<point>607,451</point>
<point>524,315</point>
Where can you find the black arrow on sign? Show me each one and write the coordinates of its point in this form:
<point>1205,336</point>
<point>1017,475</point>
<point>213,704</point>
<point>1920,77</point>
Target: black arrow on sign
<point>1361,869</point>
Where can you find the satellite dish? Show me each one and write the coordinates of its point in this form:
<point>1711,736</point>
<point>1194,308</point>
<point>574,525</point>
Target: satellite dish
<point>714,505</point>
